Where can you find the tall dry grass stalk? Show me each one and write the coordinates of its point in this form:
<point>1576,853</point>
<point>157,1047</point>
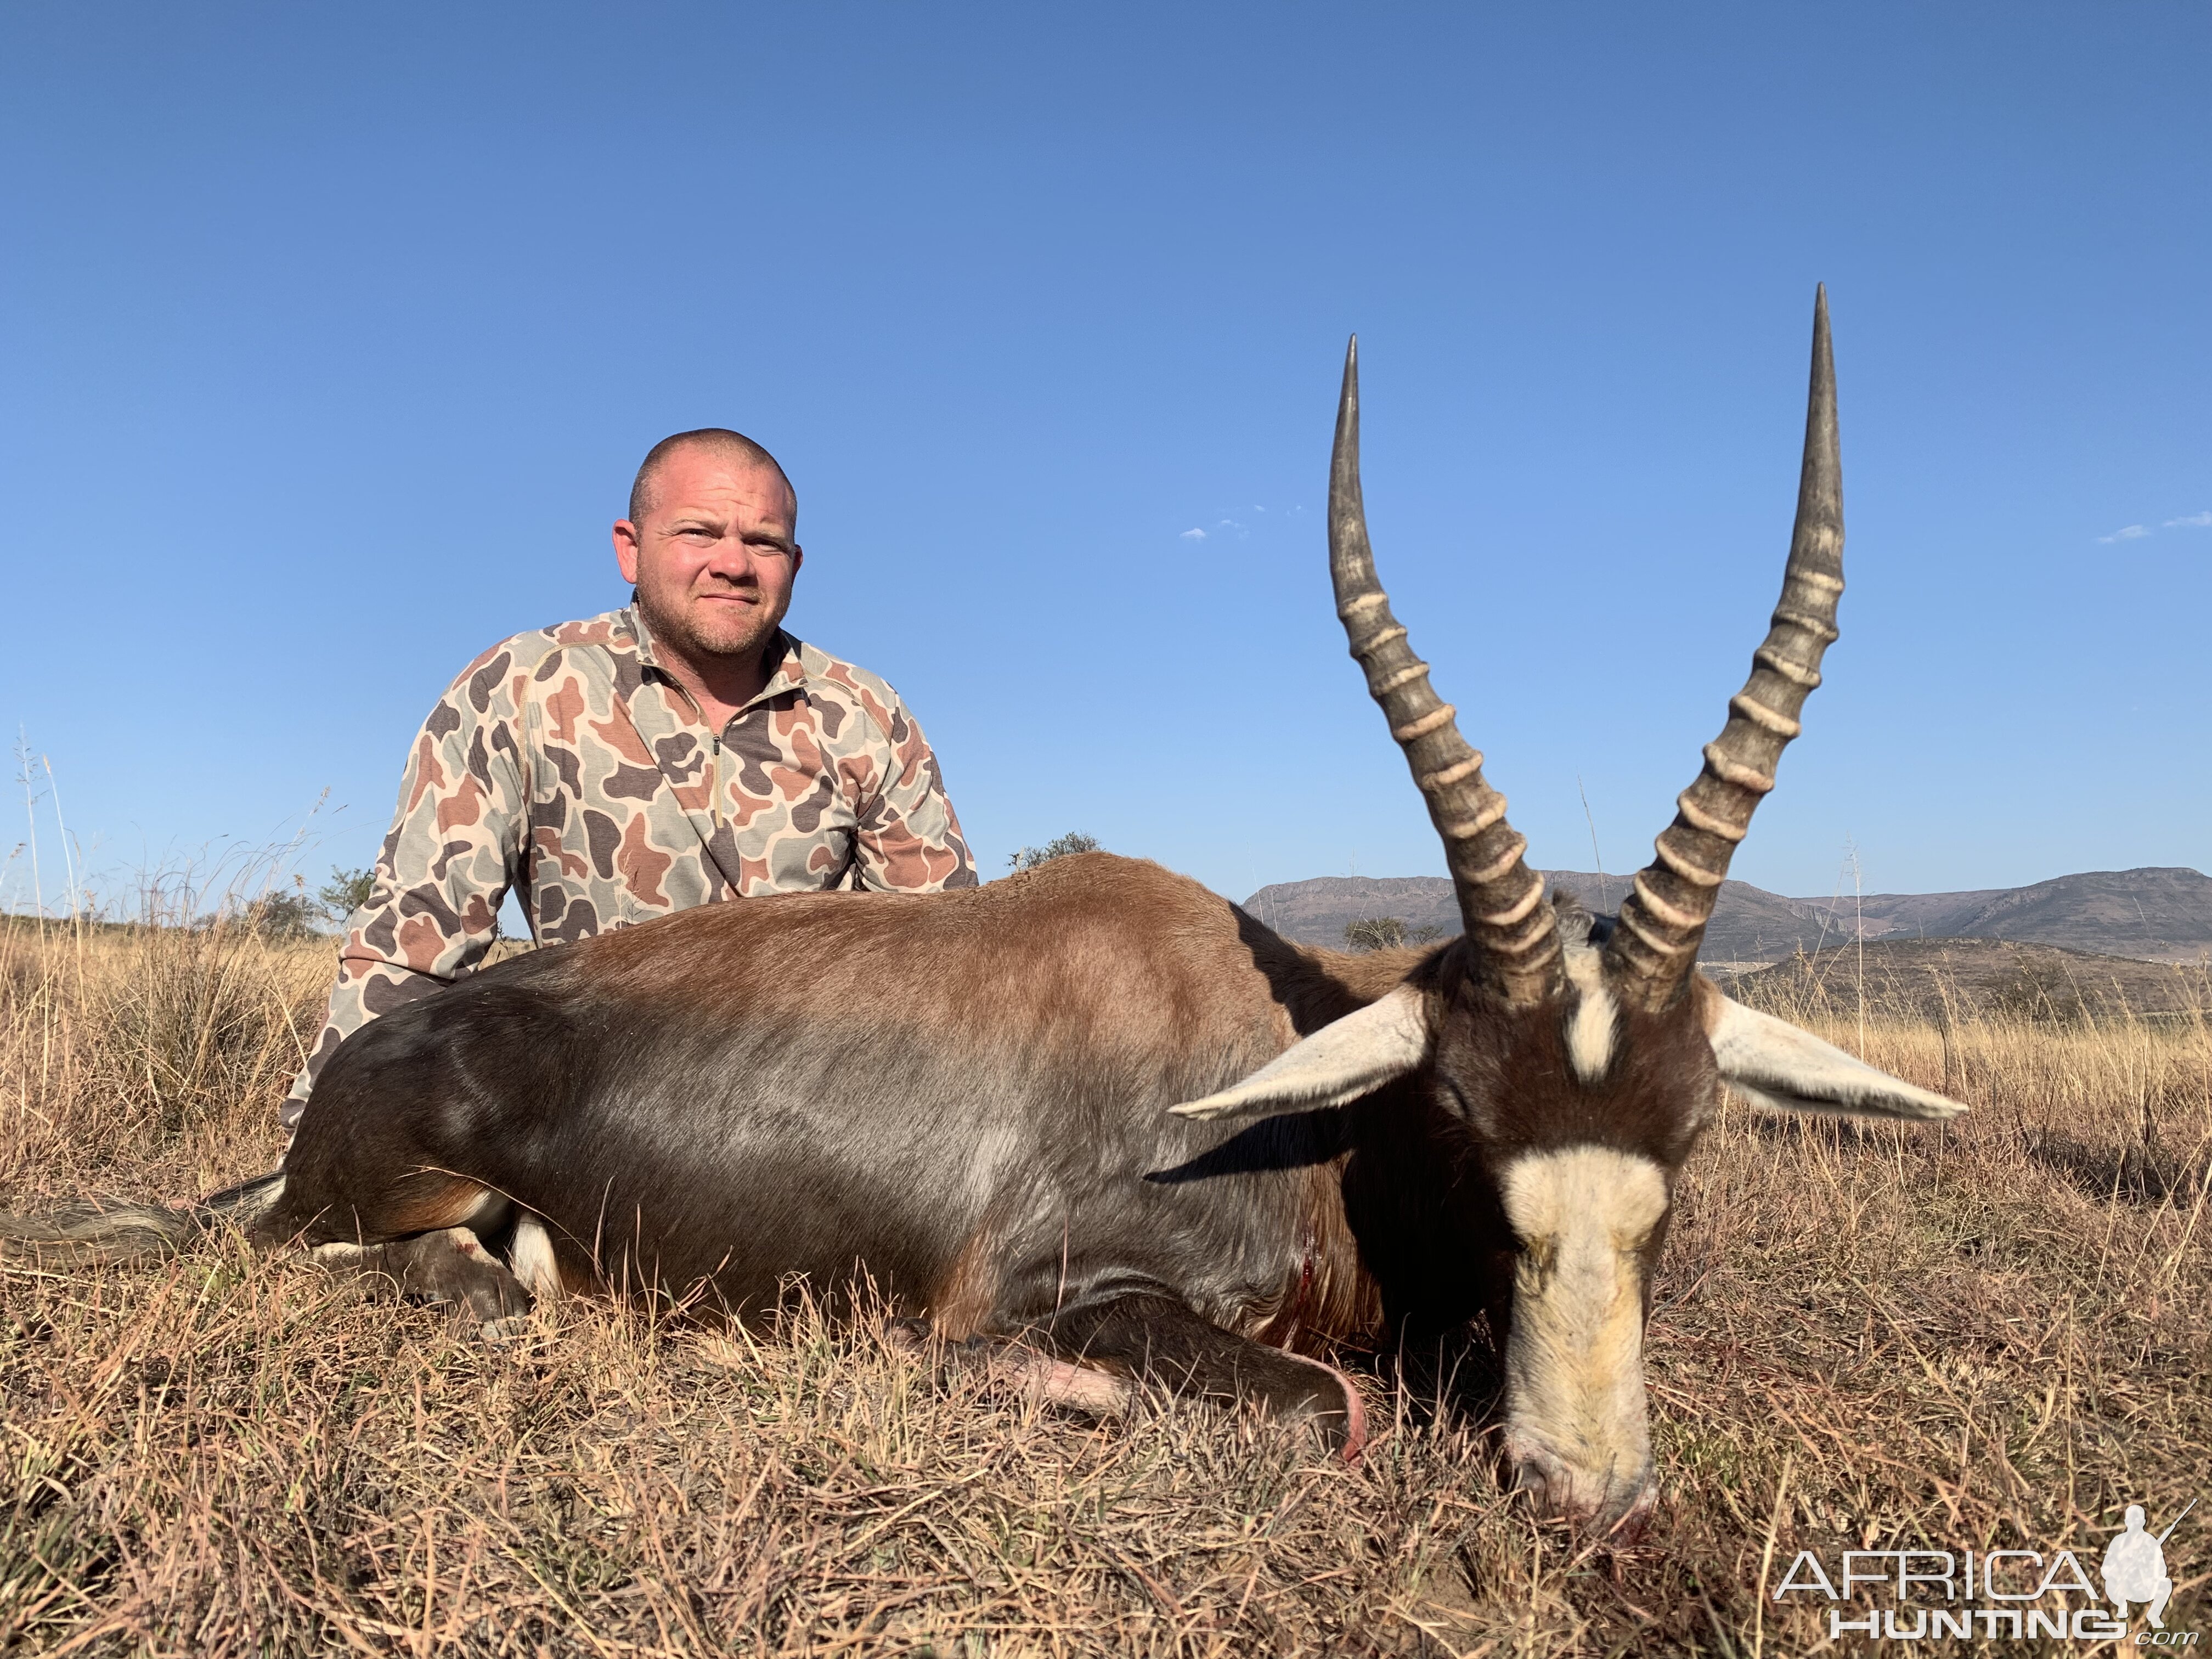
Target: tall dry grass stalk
<point>1990,1334</point>
<point>121,1041</point>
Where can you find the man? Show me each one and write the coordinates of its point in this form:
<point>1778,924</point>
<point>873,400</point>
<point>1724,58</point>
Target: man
<point>2134,1569</point>
<point>680,751</point>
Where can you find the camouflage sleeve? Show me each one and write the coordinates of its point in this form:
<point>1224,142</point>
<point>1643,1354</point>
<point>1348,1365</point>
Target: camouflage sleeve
<point>451,854</point>
<point>909,840</point>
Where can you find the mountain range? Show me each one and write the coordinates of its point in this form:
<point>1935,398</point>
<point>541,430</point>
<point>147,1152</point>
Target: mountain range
<point>2154,915</point>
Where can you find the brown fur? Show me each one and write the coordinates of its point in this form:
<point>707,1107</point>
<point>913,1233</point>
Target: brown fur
<point>1331,1299</point>
<point>427,1207</point>
<point>961,1305</point>
<point>963,1100</point>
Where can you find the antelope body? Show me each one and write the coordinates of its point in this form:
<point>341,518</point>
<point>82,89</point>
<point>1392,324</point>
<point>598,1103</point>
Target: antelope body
<point>1101,1111</point>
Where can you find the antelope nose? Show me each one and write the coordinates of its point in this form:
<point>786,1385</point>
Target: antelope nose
<point>1614,1503</point>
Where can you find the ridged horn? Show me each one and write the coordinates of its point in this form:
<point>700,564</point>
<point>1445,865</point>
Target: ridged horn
<point>1654,949</point>
<point>1501,900</point>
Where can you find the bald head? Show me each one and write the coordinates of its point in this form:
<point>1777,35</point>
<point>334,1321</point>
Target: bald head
<point>716,440</point>
<point>710,553</point>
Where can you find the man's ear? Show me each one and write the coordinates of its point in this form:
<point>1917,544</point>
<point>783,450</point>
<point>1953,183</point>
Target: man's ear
<point>626,540</point>
<point>1772,1063</point>
<point>1337,1064</point>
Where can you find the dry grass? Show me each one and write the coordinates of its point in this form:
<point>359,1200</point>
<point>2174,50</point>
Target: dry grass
<point>1990,1334</point>
<point>1915,979</point>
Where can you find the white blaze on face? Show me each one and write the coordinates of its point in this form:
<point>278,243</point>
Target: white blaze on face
<point>1574,1361</point>
<point>1596,1019</point>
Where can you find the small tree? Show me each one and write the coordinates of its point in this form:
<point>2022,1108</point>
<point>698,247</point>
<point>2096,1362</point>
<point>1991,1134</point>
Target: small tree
<point>1375,932</point>
<point>1028,857</point>
<point>1387,933</point>
<point>345,892</point>
<point>282,913</point>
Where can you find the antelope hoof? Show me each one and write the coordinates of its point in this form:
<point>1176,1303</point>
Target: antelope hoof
<point>507,1332</point>
<point>1016,1368</point>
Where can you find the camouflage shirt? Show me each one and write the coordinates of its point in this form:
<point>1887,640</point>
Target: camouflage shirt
<point>566,765</point>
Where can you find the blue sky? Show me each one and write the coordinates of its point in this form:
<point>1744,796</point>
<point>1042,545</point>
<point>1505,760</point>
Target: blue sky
<point>330,339</point>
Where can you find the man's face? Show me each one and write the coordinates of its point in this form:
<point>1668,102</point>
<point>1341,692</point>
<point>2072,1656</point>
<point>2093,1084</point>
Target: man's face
<point>713,562</point>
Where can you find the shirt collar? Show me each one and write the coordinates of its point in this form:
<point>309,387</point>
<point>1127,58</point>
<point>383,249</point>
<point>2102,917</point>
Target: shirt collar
<point>788,675</point>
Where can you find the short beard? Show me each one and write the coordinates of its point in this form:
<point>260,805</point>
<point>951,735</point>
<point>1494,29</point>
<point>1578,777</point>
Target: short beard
<point>675,633</point>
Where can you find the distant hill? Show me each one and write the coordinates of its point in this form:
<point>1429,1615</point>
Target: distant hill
<point>1749,923</point>
<point>1968,977</point>
<point>2156,915</point>
<point>1315,912</point>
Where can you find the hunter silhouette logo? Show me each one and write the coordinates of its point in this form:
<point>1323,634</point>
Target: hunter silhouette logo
<point>2135,1566</point>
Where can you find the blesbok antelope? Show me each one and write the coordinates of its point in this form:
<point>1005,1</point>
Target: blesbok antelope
<point>1099,1111</point>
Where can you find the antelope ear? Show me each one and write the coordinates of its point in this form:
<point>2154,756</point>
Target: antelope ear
<point>1339,1063</point>
<point>1772,1063</point>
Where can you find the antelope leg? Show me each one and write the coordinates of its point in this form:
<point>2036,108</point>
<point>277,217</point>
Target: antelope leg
<point>1153,1338</point>
<point>449,1264</point>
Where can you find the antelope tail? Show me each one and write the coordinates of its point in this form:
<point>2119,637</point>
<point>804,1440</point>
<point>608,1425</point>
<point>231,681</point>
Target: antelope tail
<point>86,1235</point>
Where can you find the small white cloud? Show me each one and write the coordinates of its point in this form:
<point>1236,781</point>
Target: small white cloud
<point>2194,521</point>
<point>1194,536</point>
<point>2129,533</point>
<point>1231,523</point>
